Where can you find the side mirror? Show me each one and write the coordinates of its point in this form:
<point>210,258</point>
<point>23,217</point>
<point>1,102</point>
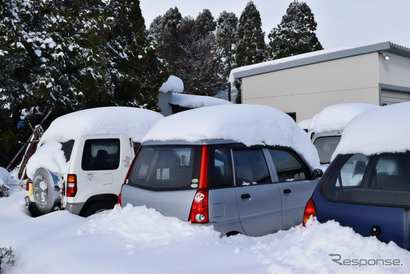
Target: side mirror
<point>317,173</point>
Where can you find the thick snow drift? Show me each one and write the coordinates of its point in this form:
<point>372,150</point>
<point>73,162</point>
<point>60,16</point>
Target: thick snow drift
<point>136,240</point>
<point>248,124</point>
<point>336,117</point>
<point>196,101</point>
<point>173,84</point>
<point>133,122</point>
<point>384,129</point>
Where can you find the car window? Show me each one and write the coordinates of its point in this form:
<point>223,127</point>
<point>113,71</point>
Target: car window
<point>287,166</point>
<point>220,171</point>
<point>101,154</point>
<point>166,167</point>
<point>325,147</point>
<point>379,179</point>
<point>250,167</point>
<point>67,148</point>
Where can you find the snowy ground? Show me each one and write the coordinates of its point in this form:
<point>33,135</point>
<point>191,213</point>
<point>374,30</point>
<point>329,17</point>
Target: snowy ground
<point>141,240</point>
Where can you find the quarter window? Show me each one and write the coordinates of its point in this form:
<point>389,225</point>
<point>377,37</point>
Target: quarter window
<point>250,167</point>
<point>220,171</point>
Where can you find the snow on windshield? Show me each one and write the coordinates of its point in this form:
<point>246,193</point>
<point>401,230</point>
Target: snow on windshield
<point>248,124</point>
<point>196,101</point>
<point>134,122</point>
<point>173,84</point>
<point>384,129</point>
<point>336,117</point>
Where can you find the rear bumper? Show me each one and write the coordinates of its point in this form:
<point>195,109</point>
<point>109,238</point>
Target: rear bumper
<point>74,208</point>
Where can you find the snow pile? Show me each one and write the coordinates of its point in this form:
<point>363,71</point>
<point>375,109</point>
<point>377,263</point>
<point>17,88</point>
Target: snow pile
<point>336,117</point>
<point>304,124</point>
<point>49,156</point>
<point>248,124</point>
<point>130,121</point>
<point>196,101</point>
<point>5,179</point>
<point>140,240</point>
<point>173,84</point>
<point>133,122</point>
<point>385,129</point>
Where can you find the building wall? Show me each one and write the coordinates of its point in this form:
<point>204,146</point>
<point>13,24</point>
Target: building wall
<point>395,71</point>
<point>308,89</point>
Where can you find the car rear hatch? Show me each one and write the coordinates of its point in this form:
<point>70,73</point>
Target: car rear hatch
<point>164,177</point>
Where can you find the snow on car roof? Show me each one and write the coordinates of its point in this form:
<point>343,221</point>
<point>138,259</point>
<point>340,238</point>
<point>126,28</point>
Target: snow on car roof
<point>385,129</point>
<point>248,124</point>
<point>134,122</point>
<point>336,117</point>
<point>196,101</point>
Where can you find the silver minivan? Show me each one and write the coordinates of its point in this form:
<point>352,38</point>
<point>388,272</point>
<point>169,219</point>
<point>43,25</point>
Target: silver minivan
<point>237,188</point>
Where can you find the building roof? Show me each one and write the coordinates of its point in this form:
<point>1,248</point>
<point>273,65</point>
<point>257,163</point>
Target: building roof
<point>316,57</point>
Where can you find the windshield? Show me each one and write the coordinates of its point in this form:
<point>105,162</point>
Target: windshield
<point>166,167</point>
<point>325,147</point>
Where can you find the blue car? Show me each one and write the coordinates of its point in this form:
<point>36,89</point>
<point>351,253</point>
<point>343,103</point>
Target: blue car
<point>367,185</point>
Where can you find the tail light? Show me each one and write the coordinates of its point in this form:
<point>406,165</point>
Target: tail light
<point>199,208</point>
<point>71,185</point>
<point>310,210</point>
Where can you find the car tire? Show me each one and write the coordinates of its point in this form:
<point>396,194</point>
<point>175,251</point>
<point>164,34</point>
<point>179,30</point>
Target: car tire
<point>46,191</point>
<point>96,207</point>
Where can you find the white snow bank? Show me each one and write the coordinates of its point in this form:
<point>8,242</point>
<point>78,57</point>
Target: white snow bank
<point>248,124</point>
<point>49,156</point>
<point>133,122</point>
<point>196,101</point>
<point>137,240</point>
<point>304,124</point>
<point>173,84</point>
<point>336,117</point>
<point>384,129</point>
<point>5,176</point>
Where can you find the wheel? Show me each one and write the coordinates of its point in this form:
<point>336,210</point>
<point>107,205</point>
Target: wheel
<point>46,191</point>
<point>96,207</point>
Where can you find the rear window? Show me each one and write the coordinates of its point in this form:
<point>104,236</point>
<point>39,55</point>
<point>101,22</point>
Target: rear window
<point>166,167</point>
<point>325,147</point>
<point>379,179</point>
<point>101,154</point>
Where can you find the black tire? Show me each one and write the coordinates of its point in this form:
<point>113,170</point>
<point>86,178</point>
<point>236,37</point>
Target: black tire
<point>34,211</point>
<point>46,191</point>
<point>95,207</point>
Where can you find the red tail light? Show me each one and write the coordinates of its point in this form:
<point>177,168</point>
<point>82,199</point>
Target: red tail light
<point>199,208</point>
<point>71,185</point>
<point>27,185</point>
<point>310,210</point>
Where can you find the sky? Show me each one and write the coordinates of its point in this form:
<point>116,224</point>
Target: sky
<point>341,23</point>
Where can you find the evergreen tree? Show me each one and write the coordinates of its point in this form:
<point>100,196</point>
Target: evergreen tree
<point>295,34</point>
<point>189,48</point>
<point>227,26</point>
<point>251,44</point>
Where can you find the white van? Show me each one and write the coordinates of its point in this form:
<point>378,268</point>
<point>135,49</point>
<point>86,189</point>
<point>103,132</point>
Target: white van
<point>83,158</point>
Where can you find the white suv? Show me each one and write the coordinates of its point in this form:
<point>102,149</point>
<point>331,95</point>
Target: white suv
<point>83,158</point>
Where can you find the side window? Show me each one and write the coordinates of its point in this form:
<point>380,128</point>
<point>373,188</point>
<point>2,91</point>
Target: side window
<point>67,148</point>
<point>250,167</point>
<point>220,171</point>
<point>101,154</point>
<point>287,166</point>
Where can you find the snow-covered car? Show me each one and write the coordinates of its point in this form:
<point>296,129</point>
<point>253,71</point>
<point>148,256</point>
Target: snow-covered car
<point>241,168</point>
<point>328,127</point>
<point>367,185</point>
<point>83,157</point>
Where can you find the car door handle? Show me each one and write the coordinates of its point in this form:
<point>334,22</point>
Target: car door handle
<point>287,191</point>
<point>245,196</point>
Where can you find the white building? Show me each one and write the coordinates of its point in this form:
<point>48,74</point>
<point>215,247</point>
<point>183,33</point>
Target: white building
<point>303,85</point>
